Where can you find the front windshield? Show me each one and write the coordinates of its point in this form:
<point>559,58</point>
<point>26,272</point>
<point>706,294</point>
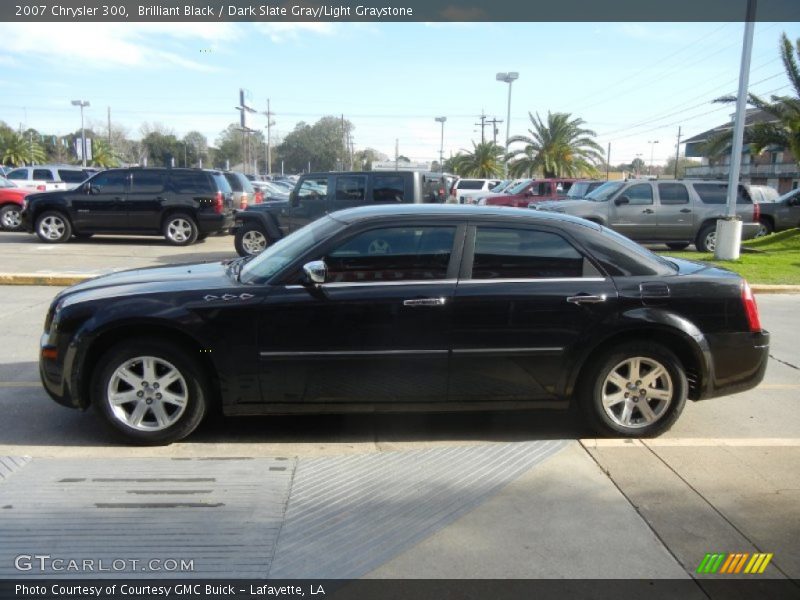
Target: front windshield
<point>578,190</point>
<point>605,191</point>
<point>500,186</point>
<point>288,249</point>
<point>517,189</point>
<point>5,183</point>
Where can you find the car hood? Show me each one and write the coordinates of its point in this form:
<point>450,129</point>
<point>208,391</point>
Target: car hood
<point>151,280</point>
<point>561,204</point>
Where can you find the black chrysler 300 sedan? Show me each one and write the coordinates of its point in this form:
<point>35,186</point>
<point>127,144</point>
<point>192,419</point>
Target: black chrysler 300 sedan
<point>413,307</point>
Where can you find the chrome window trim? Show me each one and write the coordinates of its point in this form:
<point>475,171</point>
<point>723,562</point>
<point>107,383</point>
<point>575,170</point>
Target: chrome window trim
<point>534,280</point>
<point>375,283</point>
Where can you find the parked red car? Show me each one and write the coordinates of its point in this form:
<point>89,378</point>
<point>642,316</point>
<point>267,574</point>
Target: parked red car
<point>11,199</point>
<point>532,191</point>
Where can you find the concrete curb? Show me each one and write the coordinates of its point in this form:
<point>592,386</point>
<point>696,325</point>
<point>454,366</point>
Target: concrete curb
<point>56,279</point>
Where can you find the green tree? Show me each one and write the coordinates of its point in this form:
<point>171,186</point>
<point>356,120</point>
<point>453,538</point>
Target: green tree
<point>363,159</point>
<point>160,146</point>
<point>19,149</point>
<point>102,154</point>
<point>683,163</point>
<point>321,144</point>
<point>562,147</point>
<point>485,160</point>
<point>196,148</point>
<point>784,128</point>
<point>229,146</point>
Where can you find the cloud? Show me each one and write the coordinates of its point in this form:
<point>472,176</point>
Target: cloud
<point>108,45</point>
<point>284,31</point>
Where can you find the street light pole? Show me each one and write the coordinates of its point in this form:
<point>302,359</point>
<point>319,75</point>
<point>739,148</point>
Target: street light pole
<point>441,144</point>
<point>82,103</point>
<point>652,147</point>
<point>508,78</point>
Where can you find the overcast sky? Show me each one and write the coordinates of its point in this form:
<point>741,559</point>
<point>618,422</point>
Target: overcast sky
<point>632,83</point>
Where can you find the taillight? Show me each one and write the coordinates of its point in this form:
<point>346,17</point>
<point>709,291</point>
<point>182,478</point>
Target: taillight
<point>259,197</point>
<point>756,212</point>
<point>41,188</point>
<point>219,203</point>
<point>750,308</point>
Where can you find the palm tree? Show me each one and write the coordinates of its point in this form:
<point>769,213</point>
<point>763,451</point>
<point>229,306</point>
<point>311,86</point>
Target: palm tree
<point>485,160</point>
<point>16,150</point>
<point>102,155</point>
<point>560,148</point>
<point>784,129</point>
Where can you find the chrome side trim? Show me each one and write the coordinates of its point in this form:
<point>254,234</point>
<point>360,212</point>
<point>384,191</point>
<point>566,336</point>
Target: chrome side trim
<point>541,280</point>
<point>355,353</point>
<point>507,350</point>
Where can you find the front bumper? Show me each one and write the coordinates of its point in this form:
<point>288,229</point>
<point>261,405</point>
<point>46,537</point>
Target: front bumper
<point>52,372</point>
<point>739,362</point>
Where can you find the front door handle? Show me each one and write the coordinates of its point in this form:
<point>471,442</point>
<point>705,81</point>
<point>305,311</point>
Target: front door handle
<point>686,210</point>
<point>425,302</point>
<point>586,299</point>
<point>648,211</point>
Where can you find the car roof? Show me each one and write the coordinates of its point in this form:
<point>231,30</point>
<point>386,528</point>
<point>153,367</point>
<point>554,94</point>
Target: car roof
<point>459,211</point>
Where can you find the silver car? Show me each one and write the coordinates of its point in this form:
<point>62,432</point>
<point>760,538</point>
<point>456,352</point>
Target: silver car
<point>782,214</point>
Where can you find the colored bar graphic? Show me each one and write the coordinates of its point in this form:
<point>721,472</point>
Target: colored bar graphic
<point>731,564</point>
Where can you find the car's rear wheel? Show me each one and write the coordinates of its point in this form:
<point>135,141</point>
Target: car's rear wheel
<point>11,217</point>
<point>764,227</point>
<point>678,245</point>
<point>150,391</point>
<point>250,240</point>
<point>707,238</point>
<point>53,227</point>
<point>634,390</point>
<point>180,229</point>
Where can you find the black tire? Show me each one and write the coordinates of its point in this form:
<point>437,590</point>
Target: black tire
<point>53,227</point>
<point>192,389</point>
<point>201,236</point>
<point>678,245</point>
<point>707,238</point>
<point>611,420</point>
<point>11,217</point>
<point>83,236</point>
<point>764,227</point>
<point>251,239</point>
<point>180,229</point>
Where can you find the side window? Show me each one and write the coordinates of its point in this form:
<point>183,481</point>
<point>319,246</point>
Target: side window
<point>110,182</point>
<point>717,193</point>
<point>43,174</point>
<point>673,193</point>
<point>313,188</point>
<point>188,182</point>
<point>526,254</point>
<point>18,174</point>
<point>639,194</point>
<point>388,188</point>
<point>234,182</point>
<point>351,189</point>
<point>392,254</point>
<point>72,176</point>
<point>148,182</point>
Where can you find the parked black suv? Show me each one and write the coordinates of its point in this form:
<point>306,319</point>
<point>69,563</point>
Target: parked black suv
<point>183,205</point>
<point>317,194</point>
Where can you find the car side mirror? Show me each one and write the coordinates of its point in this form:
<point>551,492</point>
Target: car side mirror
<point>622,200</point>
<point>87,188</point>
<point>316,272</point>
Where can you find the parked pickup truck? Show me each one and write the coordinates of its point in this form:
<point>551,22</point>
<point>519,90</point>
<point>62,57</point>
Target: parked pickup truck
<point>782,214</point>
<point>531,191</point>
<point>319,193</point>
<point>677,212</point>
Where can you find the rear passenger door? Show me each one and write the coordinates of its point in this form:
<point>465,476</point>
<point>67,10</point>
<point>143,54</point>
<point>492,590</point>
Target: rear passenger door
<point>675,213</point>
<point>146,198</point>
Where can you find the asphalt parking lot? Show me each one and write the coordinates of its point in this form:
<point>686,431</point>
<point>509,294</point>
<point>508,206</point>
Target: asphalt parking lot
<point>485,495</point>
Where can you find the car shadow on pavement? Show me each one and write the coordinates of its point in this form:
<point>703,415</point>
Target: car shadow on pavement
<point>34,419</point>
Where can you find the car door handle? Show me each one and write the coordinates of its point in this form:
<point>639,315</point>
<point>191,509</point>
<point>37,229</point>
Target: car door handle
<point>648,211</point>
<point>586,299</point>
<point>686,210</point>
<point>425,302</point>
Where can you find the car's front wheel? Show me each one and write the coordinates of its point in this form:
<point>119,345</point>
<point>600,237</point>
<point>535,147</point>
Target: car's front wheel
<point>180,229</point>
<point>53,227</point>
<point>250,240</point>
<point>634,390</point>
<point>150,391</point>
<point>11,217</point>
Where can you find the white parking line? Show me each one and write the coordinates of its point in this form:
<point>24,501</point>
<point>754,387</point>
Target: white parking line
<point>690,442</point>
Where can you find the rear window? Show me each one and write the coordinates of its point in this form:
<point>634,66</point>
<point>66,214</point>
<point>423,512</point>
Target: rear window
<point>470,184</point>
<point>190,182</point>
<point>717,193</point>
<point>221,183</point>
<point>71,175</point>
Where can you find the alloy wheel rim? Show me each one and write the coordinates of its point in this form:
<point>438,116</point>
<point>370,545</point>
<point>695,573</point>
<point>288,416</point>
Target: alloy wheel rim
<point>254,242</point>
<point>147,393</point>
<point>52,228</point>
<point>12,218</point>
<point>179,230</point>
<point>637,392</point>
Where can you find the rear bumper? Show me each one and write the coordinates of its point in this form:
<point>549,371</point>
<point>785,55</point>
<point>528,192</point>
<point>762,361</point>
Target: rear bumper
<point>739,362</point>
<point>749,230</point>
<point>212,223</point>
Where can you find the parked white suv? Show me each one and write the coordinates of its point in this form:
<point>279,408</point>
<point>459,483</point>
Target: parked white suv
<point>46,178</point>
<point>466,191</point>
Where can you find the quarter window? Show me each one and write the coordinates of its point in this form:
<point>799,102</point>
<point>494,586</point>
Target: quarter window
<point>72,175</point>
<point>673,193</point>
<point>717,193</point>
<point>526,254</point>
<point>392,254</point>
<point>191,182</point>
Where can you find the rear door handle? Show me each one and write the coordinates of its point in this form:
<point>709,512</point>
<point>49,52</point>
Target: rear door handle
<point>648,211</point>
<point>586,299</point>
<point>686,210</point>
<point>425,302</point>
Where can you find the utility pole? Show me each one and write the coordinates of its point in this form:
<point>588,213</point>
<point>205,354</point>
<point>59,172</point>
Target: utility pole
<point>482,124</point>
<point>608,160</point>
<point>494,123</point>
<point>270,123</point>
<point>109,128</point>
<point>396,152</point>
<point>677,151</point>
